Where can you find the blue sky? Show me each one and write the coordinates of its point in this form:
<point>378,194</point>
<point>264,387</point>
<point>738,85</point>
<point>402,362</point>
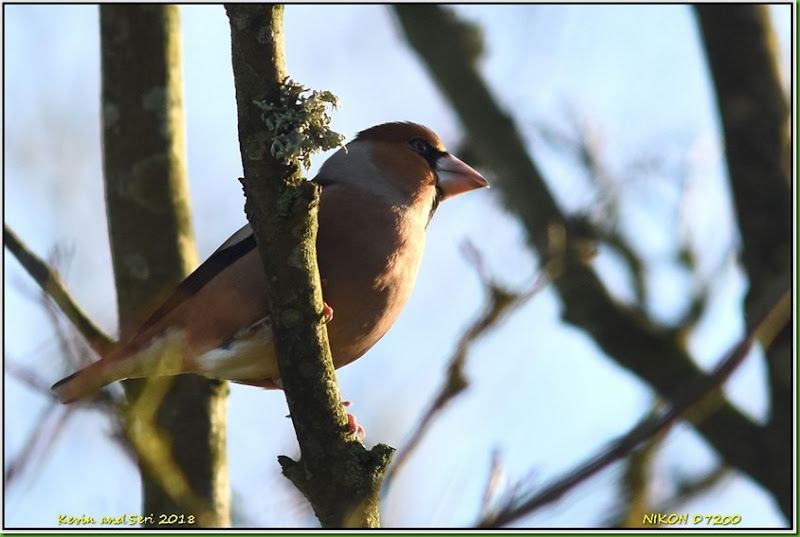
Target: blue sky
<point>542,394</point>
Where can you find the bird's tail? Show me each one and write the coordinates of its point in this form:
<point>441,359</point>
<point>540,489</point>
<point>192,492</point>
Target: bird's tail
<point>162,357</point>
<point>81,384</point>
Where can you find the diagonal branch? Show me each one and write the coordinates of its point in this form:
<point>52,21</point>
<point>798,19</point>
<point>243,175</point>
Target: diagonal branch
<point>500,304</point>
<point>624,334</point>
<point>50,282</point>
<point>50,423</point>
<point>683,403</point>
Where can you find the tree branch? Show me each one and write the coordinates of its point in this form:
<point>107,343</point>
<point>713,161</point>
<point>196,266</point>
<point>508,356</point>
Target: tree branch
<point>50,282</point>
<point>624,334</point>
<point>500,303</point>
<point>337,475</point>
<point>687,400</point>
<point>742,56</point>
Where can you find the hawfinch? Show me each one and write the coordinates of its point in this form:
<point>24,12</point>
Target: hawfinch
<point>378,195</point>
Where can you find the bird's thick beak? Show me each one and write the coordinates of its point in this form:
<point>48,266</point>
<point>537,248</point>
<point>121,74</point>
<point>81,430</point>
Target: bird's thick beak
<point>456,177</point>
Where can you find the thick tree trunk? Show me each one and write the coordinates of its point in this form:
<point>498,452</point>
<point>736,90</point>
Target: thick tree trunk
<point>177,424</point>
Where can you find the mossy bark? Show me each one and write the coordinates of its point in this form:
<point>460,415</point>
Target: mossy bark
<point>339,477</point>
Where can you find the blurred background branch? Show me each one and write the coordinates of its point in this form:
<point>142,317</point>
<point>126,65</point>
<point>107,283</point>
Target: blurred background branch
<point>681,403</point>
<point>627,335</point>
<point>743,58</point>
<point>51,283</point>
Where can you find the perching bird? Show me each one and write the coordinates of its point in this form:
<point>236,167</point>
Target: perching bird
<point>378,195</point>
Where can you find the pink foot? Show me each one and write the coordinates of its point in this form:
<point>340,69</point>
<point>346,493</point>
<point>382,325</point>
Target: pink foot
<point>352,424</point>
<point>327,313</point>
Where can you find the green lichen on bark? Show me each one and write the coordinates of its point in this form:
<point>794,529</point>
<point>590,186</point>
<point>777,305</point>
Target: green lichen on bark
<point>299,122</point>
<point>339,477</point>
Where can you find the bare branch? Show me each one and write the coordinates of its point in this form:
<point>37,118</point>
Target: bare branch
<point>633,341</point>
<point>500,304</point>
<point>27,377</point>
<point>42,438</point>
<point>51,283</point>
<point>493,484</point>
<point>683,402</point>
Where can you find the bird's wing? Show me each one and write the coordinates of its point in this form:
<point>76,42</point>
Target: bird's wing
<point>239,244</point>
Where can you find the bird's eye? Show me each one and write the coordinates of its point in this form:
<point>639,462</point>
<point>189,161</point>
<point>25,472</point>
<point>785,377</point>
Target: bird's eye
<point>420,146</point>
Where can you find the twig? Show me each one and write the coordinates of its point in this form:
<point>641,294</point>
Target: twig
<point>682,402</point>
<point>633,341</point>
<point>688,490</point>
<point>499,304</point>
<point>27,377</point>
<point>42,438</point>
<point>71,347</point>
<point>55,416</point>
<point>635,482</point>
<point>493,483</point>
<point>51,283</point>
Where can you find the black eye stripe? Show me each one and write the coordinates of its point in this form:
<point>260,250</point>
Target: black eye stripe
<point>419,145</point>
<point>426,150</point>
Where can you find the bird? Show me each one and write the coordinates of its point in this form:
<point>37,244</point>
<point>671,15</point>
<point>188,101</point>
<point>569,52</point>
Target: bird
<point>377,196</point>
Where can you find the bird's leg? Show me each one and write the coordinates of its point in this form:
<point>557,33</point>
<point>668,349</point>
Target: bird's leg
<point>327,316</point>
<point>327,310</point>
<point>352,424</point>
<point>327,313</point>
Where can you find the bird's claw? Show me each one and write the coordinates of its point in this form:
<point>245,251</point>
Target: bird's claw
<point>327,313</point>
<point>352,425</point>
<point>327,310</point>
<point>354,428</point>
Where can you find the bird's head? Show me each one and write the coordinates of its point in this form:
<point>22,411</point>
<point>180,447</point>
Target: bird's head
<point>401,160</point>
<point>417,156</point>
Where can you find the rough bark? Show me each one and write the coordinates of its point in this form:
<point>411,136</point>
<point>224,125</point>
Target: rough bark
<point>337,475</point>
